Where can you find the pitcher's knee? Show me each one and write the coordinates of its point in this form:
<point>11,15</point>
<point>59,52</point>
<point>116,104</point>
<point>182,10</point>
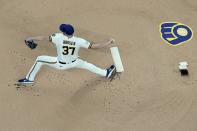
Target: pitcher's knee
<point>39,58</point>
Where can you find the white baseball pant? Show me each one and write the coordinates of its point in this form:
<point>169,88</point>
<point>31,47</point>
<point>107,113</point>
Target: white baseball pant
<point>54,63</point>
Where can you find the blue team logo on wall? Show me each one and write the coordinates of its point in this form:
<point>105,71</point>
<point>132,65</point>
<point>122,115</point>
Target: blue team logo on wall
<point>175,33</point>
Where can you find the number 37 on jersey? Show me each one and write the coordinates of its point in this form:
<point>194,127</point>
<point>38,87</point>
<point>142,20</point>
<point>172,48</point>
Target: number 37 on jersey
<point>68,48</point>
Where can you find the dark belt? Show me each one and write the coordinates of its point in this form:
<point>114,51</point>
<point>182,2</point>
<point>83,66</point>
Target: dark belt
<point>66,63</point>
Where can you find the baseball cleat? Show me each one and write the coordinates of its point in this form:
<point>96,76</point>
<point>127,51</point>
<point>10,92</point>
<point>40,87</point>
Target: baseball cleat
<point>111,71</point>
<point>25,81</point>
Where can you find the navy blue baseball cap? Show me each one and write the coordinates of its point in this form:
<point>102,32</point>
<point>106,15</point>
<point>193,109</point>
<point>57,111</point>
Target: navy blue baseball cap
<point>67,29</point>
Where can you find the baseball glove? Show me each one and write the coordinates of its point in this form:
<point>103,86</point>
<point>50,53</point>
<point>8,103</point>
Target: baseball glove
<point>31,44</point>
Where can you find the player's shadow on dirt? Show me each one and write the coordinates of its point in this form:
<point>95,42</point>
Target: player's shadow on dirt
<point>86,89</point>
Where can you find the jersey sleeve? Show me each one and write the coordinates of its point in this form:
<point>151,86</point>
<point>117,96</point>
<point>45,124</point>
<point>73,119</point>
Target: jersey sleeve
<point>53,38</point>
<point>84,43</point>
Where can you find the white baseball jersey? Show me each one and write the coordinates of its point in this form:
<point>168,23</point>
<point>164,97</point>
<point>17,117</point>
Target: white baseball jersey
<point>68,48</point>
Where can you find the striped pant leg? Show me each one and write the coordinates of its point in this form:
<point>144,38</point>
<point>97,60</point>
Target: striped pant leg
<point>40,61</point>
<point>90,67</point>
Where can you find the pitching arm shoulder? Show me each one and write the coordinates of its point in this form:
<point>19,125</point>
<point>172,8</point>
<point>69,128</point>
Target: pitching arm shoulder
<point>53,38</point>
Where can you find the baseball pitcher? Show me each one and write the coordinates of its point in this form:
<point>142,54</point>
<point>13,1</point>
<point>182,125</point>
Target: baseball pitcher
<point>68,47</point>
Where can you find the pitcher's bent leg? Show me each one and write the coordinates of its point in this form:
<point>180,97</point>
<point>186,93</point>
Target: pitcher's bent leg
<point>40,61</point>
<point>88,66</point>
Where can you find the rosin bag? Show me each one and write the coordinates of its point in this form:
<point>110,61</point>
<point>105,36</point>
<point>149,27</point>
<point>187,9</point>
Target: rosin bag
<point>116,58</point>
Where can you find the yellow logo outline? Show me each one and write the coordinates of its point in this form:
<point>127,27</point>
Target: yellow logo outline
<point>178,23</point>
